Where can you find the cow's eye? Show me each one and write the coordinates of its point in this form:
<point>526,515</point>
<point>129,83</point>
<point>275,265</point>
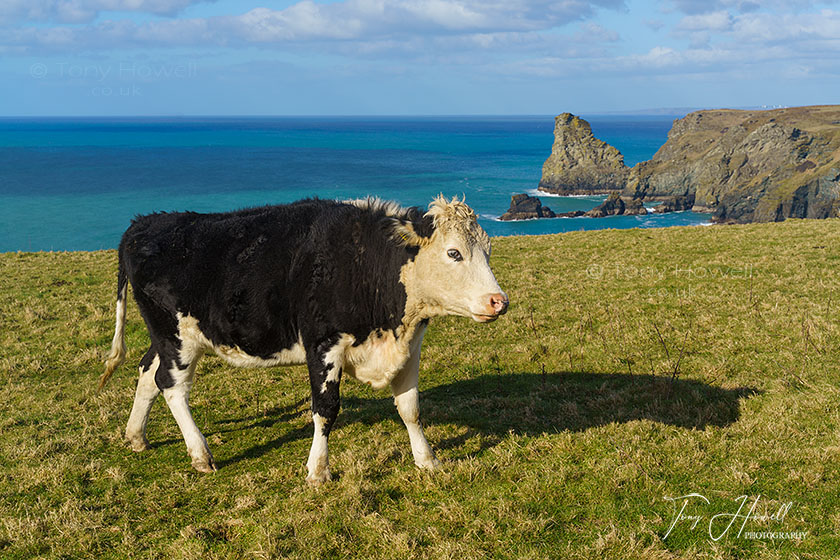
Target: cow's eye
<point>455,255</point>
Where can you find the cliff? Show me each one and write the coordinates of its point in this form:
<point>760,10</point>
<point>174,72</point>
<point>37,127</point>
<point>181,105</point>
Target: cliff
<point>580,163</point>
<point>742,166</point>
<point>748,166</point>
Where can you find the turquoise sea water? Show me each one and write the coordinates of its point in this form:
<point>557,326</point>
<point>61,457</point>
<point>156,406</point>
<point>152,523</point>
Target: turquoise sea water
<point>75,184</point>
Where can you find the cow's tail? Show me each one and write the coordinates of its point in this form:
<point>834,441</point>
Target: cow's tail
<point>118,350</point>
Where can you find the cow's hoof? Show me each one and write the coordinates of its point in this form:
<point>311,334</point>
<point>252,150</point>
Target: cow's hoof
<point>317,479</point>
<point>138,443</point>
<point>206,465</point>
<point>431,464</point>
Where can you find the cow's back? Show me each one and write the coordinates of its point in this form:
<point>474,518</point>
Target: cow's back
<point>231,271</point>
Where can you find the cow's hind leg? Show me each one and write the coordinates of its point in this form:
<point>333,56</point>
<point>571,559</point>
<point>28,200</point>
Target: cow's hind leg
<point>144,397</point>
<point>325,365</point>
<point>176,380</point>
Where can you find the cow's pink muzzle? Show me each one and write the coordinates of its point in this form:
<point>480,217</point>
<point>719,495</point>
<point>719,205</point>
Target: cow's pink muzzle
<point>494,306</point>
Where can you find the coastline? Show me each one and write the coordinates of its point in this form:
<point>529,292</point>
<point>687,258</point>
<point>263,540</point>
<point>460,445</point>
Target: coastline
<point>73,186</point>
<point>649,215</point>
<point>739,165</point>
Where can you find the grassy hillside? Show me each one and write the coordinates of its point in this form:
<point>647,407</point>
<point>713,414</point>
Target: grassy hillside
<point>632,366</point>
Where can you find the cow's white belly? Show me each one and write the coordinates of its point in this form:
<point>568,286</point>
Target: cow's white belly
<point>378,359</point>
<point>237,357</point>
<point>194,343</point>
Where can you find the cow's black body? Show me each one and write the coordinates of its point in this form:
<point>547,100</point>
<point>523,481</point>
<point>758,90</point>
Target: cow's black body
<point>263,278</point>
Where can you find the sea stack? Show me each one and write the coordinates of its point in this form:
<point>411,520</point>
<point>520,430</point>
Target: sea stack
<point>524,207</point>
<point>580,163</point>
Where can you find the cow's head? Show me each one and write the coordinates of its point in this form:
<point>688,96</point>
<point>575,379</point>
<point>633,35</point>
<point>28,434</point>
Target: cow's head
<point>451,272</point>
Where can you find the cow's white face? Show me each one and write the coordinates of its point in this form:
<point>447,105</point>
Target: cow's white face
<point>451,272</point>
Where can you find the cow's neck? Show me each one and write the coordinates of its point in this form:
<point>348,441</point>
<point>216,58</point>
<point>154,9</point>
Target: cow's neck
<point>417,307</point>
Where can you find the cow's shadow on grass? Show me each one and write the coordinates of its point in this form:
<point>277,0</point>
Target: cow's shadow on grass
<point>529,404</point>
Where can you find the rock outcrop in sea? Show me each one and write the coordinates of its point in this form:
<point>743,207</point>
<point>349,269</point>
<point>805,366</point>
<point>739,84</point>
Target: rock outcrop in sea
<point>525,207</point>
<point>674,204</point>
<point>741,166</point>
<point>580,163</point>
<point>617,206</point>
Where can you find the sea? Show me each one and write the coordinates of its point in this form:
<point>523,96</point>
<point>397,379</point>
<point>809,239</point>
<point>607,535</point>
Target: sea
<point>71,184</point>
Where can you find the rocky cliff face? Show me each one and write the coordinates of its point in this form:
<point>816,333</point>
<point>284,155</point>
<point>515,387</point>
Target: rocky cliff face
<point>749,166</point>
<point>742,166</point>
<point>580,163</point>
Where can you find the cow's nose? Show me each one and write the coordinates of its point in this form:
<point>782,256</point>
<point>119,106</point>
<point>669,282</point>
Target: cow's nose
<point>499,302</point>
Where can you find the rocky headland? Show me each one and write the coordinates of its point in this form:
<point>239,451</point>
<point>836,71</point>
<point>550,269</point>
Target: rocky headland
<point>741,166</point>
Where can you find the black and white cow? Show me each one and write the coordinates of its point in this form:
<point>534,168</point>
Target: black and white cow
<point>344,287</point>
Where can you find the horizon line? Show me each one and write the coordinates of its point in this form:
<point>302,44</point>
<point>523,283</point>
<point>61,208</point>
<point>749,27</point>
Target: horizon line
<point>653,112</point>
<point>664,112</point>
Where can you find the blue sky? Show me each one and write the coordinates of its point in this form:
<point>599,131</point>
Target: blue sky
<point>400,57</point>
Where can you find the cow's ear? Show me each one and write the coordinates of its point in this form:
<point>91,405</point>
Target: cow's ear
<point>422,222</point>
<point>424,225</point>
<point>404,232</point>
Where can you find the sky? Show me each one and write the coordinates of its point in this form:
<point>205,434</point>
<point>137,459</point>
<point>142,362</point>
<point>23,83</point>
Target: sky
<point>413,57</point>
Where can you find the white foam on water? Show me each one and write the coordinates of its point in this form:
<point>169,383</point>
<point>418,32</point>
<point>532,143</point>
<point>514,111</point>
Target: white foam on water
<point>537,192</point>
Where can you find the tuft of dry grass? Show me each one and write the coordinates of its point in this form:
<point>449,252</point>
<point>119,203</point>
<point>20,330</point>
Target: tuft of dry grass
<point>633,365</point>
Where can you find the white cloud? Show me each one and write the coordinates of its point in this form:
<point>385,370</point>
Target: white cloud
<point>598,33</point>
<point>711,21</point>
<point>84,11</point>
<point>654,24</point>
<point>307,20</point>
<point>493,37</point>
<point>400,21</point>
<point>749,46</point>
<point>744,6</point>
<point>794,28</point>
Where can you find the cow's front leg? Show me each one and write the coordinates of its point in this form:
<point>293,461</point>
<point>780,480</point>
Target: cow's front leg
<point>406,397</point>
<point>325,364</point>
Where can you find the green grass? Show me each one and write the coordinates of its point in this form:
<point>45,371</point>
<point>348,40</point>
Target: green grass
<point>631,366</point>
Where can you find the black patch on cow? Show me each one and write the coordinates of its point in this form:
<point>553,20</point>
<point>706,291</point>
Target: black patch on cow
<point>148,358</point>
<point>327,402</point>
<point>424,226</point>
<point>261,278</point>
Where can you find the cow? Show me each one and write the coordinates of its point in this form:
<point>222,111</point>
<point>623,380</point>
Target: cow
<point>345,287</point>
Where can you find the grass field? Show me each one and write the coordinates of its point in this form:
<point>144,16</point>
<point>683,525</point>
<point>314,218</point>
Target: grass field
<point>632,366</point>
